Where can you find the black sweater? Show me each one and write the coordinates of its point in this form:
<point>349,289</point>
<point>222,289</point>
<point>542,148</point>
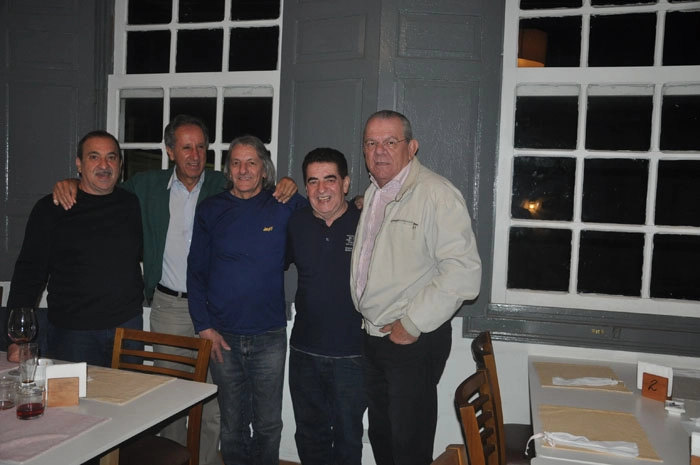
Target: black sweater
<point>89,255</point>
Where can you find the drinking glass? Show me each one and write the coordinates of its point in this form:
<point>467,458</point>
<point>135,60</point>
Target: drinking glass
<point>30,402</point>
<point>28,358</point>
<point>8,391</point>
<point>21,324</point>
<point>21,327</point>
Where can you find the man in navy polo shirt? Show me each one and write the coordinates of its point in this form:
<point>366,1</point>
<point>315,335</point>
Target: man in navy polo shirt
<point>325,363</point>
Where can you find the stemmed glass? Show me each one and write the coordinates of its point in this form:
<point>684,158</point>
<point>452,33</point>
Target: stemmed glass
<point>21,327</point>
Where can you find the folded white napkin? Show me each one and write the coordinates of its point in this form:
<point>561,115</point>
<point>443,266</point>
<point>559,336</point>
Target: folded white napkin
<point>585,381</point>
<point>624,448</point>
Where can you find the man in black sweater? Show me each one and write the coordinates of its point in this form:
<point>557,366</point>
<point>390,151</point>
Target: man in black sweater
<point>88,255</point>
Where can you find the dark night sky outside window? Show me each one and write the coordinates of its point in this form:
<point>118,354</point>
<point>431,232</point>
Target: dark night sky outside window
<point>199,51</point>
<point>539,258</point>
<point>248,115</point>
<point>610,263</point>
<point>618,123</point>
<point>143,119</point>
<point>546,122</point>
<point>543,188</point>
<point>148,52</point>
<point>614,191</point>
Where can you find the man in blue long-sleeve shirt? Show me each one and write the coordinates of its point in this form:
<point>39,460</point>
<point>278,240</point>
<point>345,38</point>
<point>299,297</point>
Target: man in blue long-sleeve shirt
<point>236,298</point>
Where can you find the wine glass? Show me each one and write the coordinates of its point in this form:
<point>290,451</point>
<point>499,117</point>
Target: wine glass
<point>21,327</point>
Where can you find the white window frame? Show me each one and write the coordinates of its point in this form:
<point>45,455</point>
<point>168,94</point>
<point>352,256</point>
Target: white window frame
<point>656,77</point>
<point>250,83</point>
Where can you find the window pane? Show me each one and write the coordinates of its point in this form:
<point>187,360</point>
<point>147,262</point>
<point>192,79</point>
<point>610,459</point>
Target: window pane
<point>614,191</point>
<point>200,11</point>
<point>540,4</point>
<point>610,263</point>
<point>682,39</point>
<point>676,267</point>
<point>199,50</point>
<point>680,122</point>
<point>147,52</point>
<point>539,258</point>
<point>137,160</point>
<point>622,40</point>
<point>677,193</point>
<point>150,11</point>
<point>143,119</point>
<point>563,39</point>
<point>247,115</point>
<point>254,9</point>
<point>203,108</point>
<point>546,122</point>
<point>543,188</point>
<point>618,123</point>
<point>254,49</point>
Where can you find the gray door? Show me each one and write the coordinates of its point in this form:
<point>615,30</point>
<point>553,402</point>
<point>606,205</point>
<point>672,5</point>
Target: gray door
<point>48,75</point>
<point>438,62</point>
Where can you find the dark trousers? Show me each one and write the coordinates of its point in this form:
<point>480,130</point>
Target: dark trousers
<point>401,383</point>
<point>93,346</point>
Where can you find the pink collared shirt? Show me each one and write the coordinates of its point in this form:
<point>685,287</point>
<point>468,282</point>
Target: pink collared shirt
<point>375,217</point>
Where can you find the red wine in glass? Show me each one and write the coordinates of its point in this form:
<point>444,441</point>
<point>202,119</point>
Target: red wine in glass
<point>31,410</point>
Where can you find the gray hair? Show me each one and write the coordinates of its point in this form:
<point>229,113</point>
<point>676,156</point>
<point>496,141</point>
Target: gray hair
<point>264,155</point>
<point>390,114</point>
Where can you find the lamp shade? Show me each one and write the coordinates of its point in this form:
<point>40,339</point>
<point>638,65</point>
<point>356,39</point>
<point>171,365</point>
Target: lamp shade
<point>532,48</point>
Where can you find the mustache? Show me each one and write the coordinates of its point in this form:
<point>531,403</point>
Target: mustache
<point>104,172</point>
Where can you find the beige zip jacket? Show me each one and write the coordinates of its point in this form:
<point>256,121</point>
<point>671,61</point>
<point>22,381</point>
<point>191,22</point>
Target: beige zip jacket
<point>425,261</point>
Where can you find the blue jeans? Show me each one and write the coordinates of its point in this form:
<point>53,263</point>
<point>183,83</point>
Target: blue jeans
<point>329,401</point>
<point>250,380</point>
<point>93,346</point>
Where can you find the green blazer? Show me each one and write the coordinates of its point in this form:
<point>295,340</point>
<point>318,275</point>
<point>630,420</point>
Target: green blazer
<point>151,187</point>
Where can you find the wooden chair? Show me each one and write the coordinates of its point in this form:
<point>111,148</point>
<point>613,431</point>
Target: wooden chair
<point>512,437</point>
<point>475,403</point>
<point>455,454</point>
<point>149,449</point>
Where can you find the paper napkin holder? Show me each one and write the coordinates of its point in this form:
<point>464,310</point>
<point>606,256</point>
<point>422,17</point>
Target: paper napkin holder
<point>65,384</point>
<point>655,381</point>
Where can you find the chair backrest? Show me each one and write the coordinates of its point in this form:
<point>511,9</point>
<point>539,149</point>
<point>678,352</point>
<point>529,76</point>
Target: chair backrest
<point>482,352</point>
<point>475,403</point>
<point>455,454</point>
<point>193,368</point>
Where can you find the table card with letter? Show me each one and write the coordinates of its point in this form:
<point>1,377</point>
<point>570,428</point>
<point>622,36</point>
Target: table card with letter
<point>655,381</point>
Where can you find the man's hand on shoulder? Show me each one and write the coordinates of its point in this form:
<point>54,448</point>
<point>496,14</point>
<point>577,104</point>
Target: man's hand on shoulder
<point>285,189</point>
<point>218,343</point>
<point>398,334</point>
<point>64,193</point>
<point>359,201</point>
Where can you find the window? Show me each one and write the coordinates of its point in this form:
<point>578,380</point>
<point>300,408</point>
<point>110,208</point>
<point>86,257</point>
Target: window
<point>218,60</point>
<point>599,158</point>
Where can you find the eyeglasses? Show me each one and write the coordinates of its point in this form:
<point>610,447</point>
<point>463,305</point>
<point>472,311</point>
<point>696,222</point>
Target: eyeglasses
<point>388,144</point>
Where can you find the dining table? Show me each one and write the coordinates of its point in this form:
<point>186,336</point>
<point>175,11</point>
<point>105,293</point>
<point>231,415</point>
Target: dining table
<point>613,412</point>
<point>110,414</point>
